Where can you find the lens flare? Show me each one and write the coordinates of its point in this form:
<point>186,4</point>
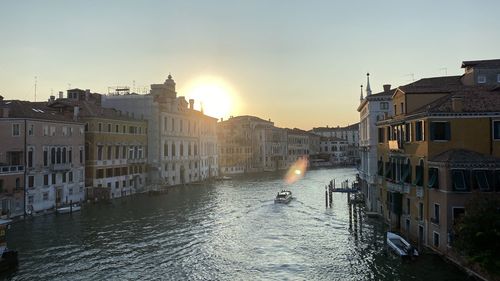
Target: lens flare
<point>296,171</point>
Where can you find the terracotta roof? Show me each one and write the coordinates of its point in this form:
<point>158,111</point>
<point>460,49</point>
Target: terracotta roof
<point>434,84</point>
<point>90,109</point>
<point>481,63</point>
<point>33,110</point>
<point>456,156</point>
<point>473,100</point>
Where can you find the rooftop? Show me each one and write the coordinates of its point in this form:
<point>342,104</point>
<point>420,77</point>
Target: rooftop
<point>481,63</point>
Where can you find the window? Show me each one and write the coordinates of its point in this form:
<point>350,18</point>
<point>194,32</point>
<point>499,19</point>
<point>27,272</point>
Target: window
<point>117,152</point>
<point>380,166</point>
<point>100,173</point>
<point>99,127</point>
<point>45,196</point>
<point>30,199</point>
<point>419,174</point>
<point>481,180</point>
<point>15,130</point>
<point>421,211</point>
<point>496,130</point>
<point>406,171</point>
<point>381,135</point>
<point>53,178</point>
<point>384,105</point>
<point>165,149</point>
<point>408,206</point>
<point>45,130</point>
<point>99,152</point>
<point>109,153</point>
<point>481,79</point>
<point>173,149</point>
<point>440,131</point>
<point>498,78</point>
<point>45,179</point>
<point>459,180</point>
<point>419,131</point>
<point>433,178</point>
<point>30,158</point>
<point>435,219</point>
<point>117,185</point>
<point>52,130</point>
<point>31,181</point>
<point>45,157</point>
<point>31,130</point>
<point>81,155</point>
<point>70,176</point>
<point>402,108</point>
<point>109,128</point>
<point>116,128</point>
<point>435,239</point>
<point>408,132</point>
<point>64,131</point>
<point>64,177</point>
<point>86,127</point>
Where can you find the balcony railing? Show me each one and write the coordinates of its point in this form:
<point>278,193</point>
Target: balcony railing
<point>11,169</point>
<point>398,187</point>
<point>61,167</point>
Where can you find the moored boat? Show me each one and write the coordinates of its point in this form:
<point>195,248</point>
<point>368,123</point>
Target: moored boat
<point>283,196</point>
<point>8,259</point>
<point>400,246</point>
<point>69,209</point>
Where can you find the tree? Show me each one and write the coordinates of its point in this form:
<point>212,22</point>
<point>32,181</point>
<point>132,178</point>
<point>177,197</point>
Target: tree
<point>477,233</point>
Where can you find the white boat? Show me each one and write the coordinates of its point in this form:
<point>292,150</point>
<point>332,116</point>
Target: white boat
<point>67,209</point>
<point>400,246</point>
<point>283,196</point>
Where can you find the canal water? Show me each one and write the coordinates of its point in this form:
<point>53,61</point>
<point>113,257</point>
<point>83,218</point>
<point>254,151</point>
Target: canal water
<point>229,230</point>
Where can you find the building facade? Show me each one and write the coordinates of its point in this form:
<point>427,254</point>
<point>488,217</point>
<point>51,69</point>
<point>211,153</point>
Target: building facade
<point>349,134</point>
<point>182,141</point>
<point>438,150</point>
<point>48,148</point>
<point>372,108</point>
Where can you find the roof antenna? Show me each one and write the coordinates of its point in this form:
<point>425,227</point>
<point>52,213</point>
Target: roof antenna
<point>35,86</point>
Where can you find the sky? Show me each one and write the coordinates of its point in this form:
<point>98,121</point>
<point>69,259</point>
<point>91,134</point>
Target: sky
<point>298,63</point>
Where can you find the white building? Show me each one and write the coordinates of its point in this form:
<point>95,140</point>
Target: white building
<point>372,108</point>
<point>182,141</point>
<point>350,134</point>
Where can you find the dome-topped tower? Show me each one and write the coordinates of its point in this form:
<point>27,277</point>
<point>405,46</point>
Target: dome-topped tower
<point>170,83</point>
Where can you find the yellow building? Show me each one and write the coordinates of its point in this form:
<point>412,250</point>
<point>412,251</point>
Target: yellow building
<point>115,146</point>
<point>441,146</point>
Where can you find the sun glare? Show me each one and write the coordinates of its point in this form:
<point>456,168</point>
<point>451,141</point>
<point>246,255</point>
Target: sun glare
<point>213,94</point>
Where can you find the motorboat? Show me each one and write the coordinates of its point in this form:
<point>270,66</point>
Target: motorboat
<point>283,196</point>
<point>8,257</point>
<point>69,209</point>
<point>224,178</point>
<point>400,246</point>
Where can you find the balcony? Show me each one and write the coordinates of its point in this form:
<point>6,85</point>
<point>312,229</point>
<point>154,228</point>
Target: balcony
<point>61,167</point>
<point>399,187</point>
<point>11,169</point>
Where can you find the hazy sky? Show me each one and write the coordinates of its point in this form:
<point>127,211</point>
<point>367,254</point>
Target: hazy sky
<point>299,63</point>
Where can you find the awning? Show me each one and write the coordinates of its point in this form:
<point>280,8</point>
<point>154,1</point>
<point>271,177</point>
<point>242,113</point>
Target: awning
<point>458,180</point>
<point>481,179</point>
<point>433,178</point>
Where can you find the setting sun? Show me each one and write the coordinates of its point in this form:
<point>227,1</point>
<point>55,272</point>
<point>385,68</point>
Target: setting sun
<point>213,94</point>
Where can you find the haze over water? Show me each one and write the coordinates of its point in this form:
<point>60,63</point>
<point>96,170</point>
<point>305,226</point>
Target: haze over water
<point>229,230</point>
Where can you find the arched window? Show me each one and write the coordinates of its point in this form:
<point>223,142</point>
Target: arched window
<point>58,155</point>
<point>165,149</point>
<point>53,155</point>
<point>182,150</point>
<point>173,149</point>
<point>189,149</point>
<point>18,183</point>
<point>63,155</point>
<point>195,149</point>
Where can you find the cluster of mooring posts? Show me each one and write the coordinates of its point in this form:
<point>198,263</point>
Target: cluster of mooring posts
<point>355,201</point>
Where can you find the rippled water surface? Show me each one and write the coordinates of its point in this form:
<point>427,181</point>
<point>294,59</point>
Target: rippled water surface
<point>228,230</point>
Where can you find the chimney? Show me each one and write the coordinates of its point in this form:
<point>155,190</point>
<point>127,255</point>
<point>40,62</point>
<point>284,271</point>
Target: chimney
<point>457,104</point>
<point>191,103</point>
<point>52,98</point>
<point>76,112</point>
<point>387,87</point>
<point>61,94</point>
